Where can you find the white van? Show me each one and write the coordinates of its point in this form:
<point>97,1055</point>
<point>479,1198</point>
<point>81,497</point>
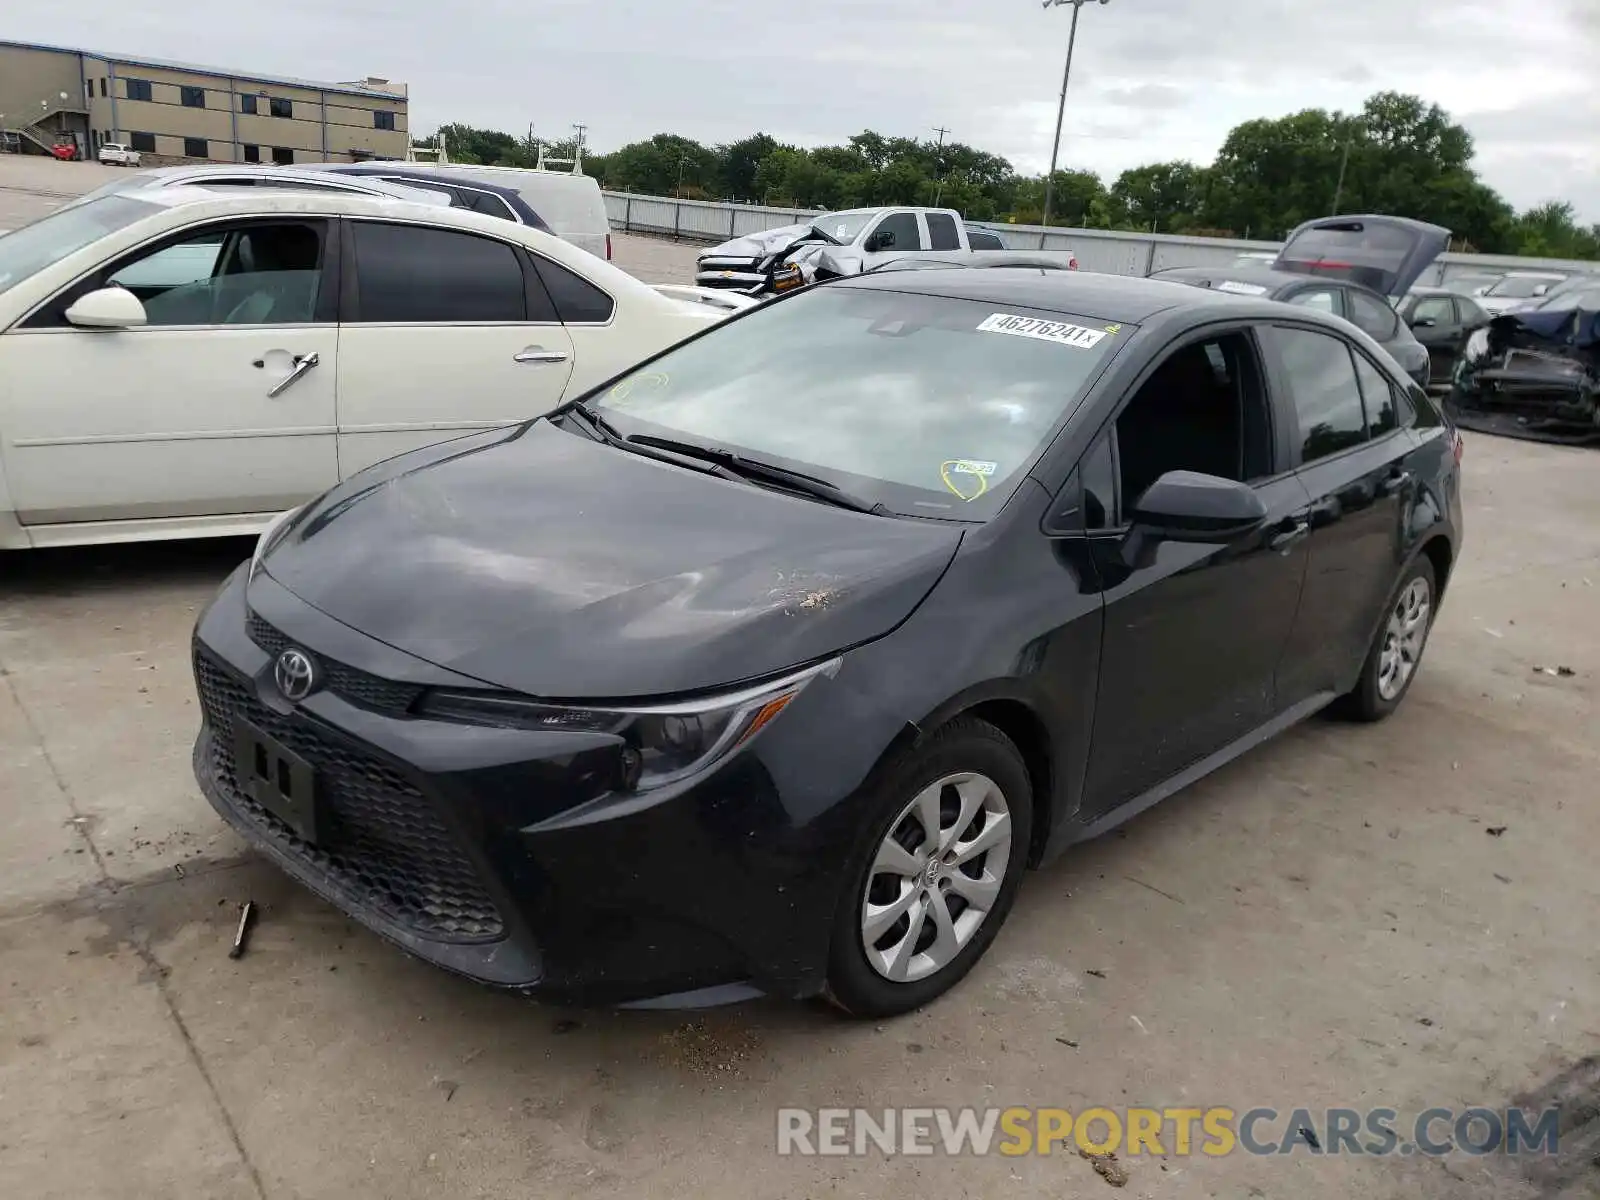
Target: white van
<point>570,204</point>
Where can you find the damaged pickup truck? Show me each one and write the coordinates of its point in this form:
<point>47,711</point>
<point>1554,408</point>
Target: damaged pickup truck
<point>1536,375</point>
<point>856,241</point>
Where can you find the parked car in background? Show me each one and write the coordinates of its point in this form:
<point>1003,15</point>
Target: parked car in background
<point>119,154</point>
<point>842,649</point>
<point>979,238</point>
<point>186,362</point>
<point>228,175</point>
<point>1443,322</point>
<point>856,240</point>
<point>490,199</point>
<point>1515,289</point>
<point>570,206</point>
<point>1583,282</point>
<point>1347,266</point>
<point>1473,283</point>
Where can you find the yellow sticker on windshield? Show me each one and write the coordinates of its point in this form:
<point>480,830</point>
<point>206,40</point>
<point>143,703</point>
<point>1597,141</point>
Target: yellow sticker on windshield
<point>967,477</point>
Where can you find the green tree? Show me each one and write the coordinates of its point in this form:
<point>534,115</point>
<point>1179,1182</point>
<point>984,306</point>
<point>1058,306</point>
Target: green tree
<point>1160,198</point>
<point>738,161</point>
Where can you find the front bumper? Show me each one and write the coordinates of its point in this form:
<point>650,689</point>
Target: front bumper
<point>732,274</point>
<point>499,854</point>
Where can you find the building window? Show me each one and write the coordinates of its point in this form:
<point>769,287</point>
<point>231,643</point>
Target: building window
<point>138,89</point>
<point>282,155</point>
<point>382,119</point>
<point>102,85</point>
<point>145,143</point>
<point>196,148</point>
<point>194,97</point>
<point>88,89</point>
<point>281,107</point>
<point>247,104</point>
<point>252,154</point>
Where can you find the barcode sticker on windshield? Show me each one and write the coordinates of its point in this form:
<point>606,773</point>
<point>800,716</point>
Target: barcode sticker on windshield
<point>1059,332</point>
<point>1241,289</point>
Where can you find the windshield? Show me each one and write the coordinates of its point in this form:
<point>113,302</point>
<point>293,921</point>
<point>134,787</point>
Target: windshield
<point>842,227</point>
<point>930,405</point>
<point>31,249</point>
<point>1522,288</point>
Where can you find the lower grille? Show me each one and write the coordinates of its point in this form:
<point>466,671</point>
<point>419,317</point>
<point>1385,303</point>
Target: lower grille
<point>385,843</point>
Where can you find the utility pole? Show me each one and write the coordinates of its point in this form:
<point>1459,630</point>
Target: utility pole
<point>938,164</point>
<point>1344,161</point>
<point>1061,110</point>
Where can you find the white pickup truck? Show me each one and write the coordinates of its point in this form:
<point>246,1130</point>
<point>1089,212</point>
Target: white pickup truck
<point>118,154</point>
<point>779,260</point>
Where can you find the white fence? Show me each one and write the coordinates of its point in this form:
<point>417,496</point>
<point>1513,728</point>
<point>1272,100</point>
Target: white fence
<point>1097,249</point>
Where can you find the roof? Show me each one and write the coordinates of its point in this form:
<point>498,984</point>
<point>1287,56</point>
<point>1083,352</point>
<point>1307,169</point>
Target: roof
<point>1121,298</point>
<point>347,89</point>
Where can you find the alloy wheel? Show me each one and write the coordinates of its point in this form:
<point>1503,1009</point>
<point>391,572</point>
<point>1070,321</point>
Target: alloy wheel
<point>1403,638</point>
<point>936,877</point>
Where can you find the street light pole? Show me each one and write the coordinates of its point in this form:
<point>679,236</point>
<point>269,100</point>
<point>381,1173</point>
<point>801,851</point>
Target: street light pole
<point>1061,110</point>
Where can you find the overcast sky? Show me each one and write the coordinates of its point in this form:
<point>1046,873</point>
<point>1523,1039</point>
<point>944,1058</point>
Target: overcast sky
<point>1152,79</point>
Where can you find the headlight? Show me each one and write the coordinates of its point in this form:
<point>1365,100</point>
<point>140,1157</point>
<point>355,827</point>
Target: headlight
<point>787,277</point>
<point>269,537</point>
<point>661,744</point>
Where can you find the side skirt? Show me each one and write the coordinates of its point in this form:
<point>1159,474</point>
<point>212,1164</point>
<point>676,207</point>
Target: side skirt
<point>1131,808</point>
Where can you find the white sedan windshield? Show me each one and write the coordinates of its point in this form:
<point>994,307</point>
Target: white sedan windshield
<point>928,404</point>
<point>29,250</point>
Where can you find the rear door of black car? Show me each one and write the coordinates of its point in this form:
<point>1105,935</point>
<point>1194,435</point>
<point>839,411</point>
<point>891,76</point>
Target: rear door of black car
<point>1352,442</point>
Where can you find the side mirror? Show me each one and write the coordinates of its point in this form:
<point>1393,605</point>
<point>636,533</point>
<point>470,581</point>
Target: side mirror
<point>107,308</point>
<point>1423,322</point>
<point>1186,506</point>
<point>880,240</point>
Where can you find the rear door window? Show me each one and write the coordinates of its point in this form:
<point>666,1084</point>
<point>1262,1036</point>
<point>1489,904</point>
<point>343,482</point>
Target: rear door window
<point>1379,394</point>
<point>417,274</point>
<point>1322,383</point>
<point>942,234</point>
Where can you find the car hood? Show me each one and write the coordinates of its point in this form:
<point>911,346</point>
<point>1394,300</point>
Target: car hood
<point>1386,254</point>
<point>540,561</point>
<point>770,241</point>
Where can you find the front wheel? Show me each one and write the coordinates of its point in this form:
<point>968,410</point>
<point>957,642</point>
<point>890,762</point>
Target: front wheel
<point>936,871</point>
<point>1396,652</point>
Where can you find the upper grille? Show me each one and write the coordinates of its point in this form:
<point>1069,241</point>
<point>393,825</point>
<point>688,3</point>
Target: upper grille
<point>385,842</point>
<point>356,686</point>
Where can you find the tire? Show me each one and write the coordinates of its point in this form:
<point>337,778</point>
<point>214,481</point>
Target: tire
<point>981,772</point>
<point>1397,648</point>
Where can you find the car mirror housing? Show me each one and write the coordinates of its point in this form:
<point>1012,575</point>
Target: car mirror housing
<point>1423,322</point>
<point>1186,506</point>
<point>881,240</point>
<point>107,308</point>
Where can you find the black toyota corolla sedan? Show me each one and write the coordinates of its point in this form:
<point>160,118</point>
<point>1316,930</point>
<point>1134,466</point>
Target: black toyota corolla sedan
<point>771,665</point>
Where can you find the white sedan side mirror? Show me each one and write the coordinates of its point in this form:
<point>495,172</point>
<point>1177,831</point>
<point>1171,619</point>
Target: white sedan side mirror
<point>107,308</point>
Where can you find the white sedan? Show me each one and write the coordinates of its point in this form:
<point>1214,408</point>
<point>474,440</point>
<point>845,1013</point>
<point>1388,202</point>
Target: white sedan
<point>188,363</point>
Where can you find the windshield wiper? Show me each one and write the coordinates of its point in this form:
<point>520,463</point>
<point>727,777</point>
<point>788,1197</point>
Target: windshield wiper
<point>611,436</point>
<point>758,471</point>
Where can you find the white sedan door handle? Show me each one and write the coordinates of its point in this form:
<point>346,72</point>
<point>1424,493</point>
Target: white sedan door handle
<point>302,364</point>
<point>538,354</point>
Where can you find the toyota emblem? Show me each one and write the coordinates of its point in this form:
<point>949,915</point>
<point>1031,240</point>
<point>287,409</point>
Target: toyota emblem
<point>295,674</point>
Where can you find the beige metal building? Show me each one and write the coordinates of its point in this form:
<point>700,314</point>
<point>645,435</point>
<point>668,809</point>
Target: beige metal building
<point>177,112</point>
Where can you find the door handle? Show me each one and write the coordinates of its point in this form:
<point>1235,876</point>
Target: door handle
<point>538,354</point>
<point>1290,532</point>
<point>1395,481</point>
<point>302,364</point>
